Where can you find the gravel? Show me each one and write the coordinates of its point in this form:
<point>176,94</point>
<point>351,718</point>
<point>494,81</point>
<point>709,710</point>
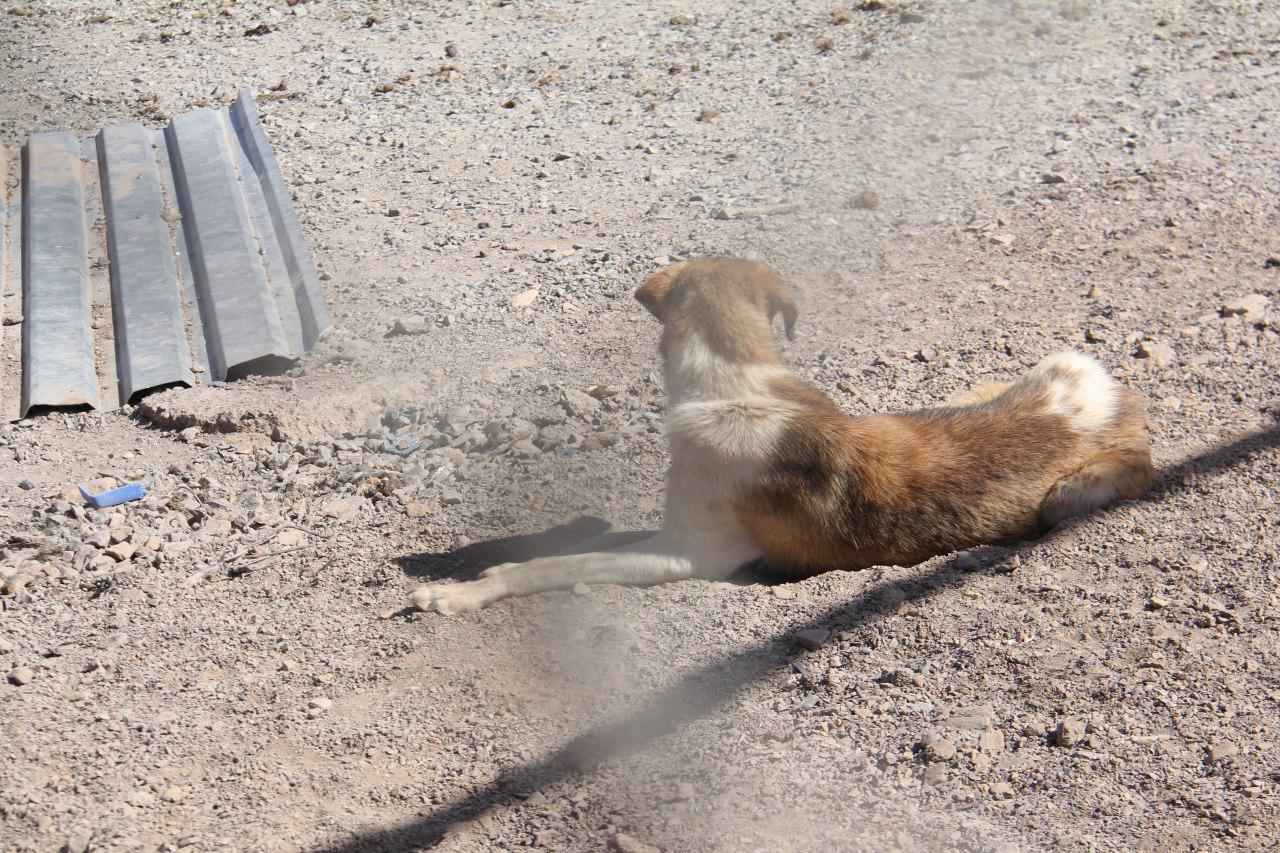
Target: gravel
<point>956,190</point>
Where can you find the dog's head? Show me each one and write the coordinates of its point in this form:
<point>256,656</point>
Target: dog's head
<point>719,296</point>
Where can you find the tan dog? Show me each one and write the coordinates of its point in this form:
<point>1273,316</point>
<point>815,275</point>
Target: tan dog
<point>764,466</point>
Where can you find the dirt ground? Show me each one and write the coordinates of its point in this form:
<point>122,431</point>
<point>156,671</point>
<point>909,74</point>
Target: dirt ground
<point>956,190</point>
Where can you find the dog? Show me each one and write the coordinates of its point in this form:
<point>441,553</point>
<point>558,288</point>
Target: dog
<point>766,468</point>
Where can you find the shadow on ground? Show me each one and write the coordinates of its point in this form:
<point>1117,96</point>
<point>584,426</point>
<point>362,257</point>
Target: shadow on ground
<point>715,685</point>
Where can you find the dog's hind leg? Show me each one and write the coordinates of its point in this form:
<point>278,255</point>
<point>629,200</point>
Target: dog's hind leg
<point>655,560</point>
<point>1115,474</point>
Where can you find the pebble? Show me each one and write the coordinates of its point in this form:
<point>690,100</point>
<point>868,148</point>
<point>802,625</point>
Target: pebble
<point>991,741</point>
<point>940,749</point>
<point>624,843</point>
<point>1159,354</point>
<point>867,199</point>
<point>812,638</point>
<point>1068,733</point>
<point>1253,306</point>
<point>410,324</point>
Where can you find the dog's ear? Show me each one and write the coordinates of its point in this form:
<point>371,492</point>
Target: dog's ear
<point>653,293</point>
<point>779,298</point>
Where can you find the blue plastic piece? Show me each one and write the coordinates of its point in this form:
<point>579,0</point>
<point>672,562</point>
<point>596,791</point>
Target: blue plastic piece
<point>401,445</point>
<point>124,494</point>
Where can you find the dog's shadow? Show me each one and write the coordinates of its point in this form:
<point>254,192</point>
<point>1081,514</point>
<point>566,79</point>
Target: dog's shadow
<point>583,534</point>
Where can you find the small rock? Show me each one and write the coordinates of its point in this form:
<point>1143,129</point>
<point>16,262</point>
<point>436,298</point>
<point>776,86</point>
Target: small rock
<point>1159,354</point>
<point>812,638</point>
<point>78,842</point>
<point>1068,733</point>
<point>624,843</point>
<point>940,750</point>
<point>142,799</point>
<point>1221,751</point>
<point>783,592</point>
<point>525,298</point>
<point>708,113</point>
<point>935,774</point>
<point>684,791</point>
<point>450,50</point>
<point>867,199</point>
<point>122,551</point>
<point>173,794</point>
<point>21,675</point>
<point>416,509</point>
<point>1034,729</point>
<point>410,324</point>
<point>927,354</point>
<point>1001,790</point>
<point>1157,602</point>
<point>1095,335</point>
<point>318,706</point>
<point>449,497</point>
<point>1253,306</point>
<point>340,506</point>
<point>991,741</point>
<point>289,537</point>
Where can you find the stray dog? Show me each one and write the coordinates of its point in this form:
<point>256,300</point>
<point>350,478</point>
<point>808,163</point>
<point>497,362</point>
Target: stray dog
<point>764,466</point>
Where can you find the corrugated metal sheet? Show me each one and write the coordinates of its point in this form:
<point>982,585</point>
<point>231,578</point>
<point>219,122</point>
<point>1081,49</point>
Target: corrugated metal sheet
<point>145,259</point>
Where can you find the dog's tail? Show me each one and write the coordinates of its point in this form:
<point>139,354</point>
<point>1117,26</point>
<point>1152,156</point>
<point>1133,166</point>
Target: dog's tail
<point>1109,417</point>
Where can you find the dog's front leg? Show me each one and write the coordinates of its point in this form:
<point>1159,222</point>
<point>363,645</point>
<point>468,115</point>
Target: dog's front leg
<point>658,559</point>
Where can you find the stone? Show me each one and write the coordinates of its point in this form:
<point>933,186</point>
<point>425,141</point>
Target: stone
<point>1157,353</point>
<point>122,551</point>
<point>1000,790</point>
<point>812,638</point>
<point>940,749</point>
<point>339,506</point>
<point>1219,751</point>
<point>410,324</point>
<point>416,509</point>
<point>708,113</point>
<point>290,537</point>
<point>21,675</point>
<point>78,841</point>
<point>867,199</point>
<point>1068,733</point>
<point>1252,306</point>
<point>991,741</point>
<point>624,843</point>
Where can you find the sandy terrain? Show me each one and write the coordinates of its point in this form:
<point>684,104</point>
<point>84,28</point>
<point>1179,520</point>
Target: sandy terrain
<point>227,664</point>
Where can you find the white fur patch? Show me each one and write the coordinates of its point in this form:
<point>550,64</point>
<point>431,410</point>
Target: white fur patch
<point>693,370</point>
<point>745,429</point>
<point>1079,389</point>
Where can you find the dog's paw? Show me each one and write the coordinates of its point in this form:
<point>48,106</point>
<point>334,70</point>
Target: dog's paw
<point>451,599</point>
<point>501,569</point>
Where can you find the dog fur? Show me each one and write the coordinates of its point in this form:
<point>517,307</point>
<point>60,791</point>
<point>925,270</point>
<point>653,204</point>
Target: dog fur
<point>764,466</point>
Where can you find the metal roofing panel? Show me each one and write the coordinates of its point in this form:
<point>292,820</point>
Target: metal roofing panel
<point>151,343</point>
<point>57,339</point>
<point>209,275</point>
